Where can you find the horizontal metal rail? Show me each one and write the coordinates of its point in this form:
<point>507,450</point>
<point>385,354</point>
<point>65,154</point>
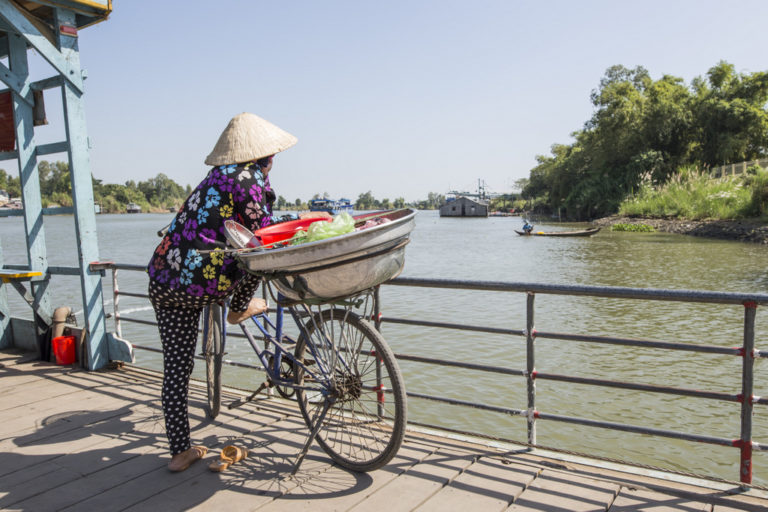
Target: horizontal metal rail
<point>589,291</point>
<point>746,352</point>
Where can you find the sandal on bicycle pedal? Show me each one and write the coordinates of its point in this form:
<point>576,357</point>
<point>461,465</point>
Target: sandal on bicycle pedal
<point>229,455</point>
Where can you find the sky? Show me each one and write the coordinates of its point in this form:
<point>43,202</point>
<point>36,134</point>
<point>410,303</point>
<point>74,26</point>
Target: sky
<point>400,98</point>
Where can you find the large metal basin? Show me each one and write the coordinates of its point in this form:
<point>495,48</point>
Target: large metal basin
<point>338,266</point>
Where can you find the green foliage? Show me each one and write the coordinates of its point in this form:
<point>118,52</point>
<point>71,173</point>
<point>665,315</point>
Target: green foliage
<point>157,193</point>
<point>365,201</point>
<point>10,184</point>
<point>643,130</point>
<point>635,228</point>
<point>504,202</point>
<point>694,195</point>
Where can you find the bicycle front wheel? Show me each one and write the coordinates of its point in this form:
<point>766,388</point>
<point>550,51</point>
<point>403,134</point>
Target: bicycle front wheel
<point>358,380</point>
<point>213,352</point>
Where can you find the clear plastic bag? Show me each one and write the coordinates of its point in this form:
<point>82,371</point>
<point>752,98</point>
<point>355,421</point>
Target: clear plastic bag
<point>341,224</point>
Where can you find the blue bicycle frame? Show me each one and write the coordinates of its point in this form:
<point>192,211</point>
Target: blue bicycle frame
<point>272,332</point>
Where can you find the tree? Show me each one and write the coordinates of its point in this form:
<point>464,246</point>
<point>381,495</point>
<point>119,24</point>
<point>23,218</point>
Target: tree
<point>644,129</point>
<point>11,184</point>
<point>731,116</point>
<point>365,201</point>
<point>54,178</point>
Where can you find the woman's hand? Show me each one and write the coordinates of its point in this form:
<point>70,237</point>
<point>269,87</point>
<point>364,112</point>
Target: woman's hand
<point>315,215</point>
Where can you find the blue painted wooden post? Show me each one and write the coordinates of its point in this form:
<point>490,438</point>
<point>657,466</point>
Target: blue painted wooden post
<point>30,188</point>
<point>6,340</point>
<point>82,194</point>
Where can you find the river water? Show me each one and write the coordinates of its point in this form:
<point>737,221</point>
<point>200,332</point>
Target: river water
<point>488,249</point>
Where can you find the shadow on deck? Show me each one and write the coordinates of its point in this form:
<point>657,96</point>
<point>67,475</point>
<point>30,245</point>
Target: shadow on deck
<point>77,440</point>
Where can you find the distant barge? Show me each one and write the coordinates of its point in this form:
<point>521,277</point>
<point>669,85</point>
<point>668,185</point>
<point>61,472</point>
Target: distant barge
<point>332,206</point>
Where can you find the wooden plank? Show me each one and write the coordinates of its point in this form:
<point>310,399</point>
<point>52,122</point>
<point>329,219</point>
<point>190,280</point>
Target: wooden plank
<point>147,459</point>
<point>630,499</point>
<point>135,454</point>
<point>489,484</point>
<point>342,492</point>
<point>103,446</point>
<point>16,275</point>
<point>419,483</point>
<point>37,481</point>
<point>39,414</point>
<point>269,453</point>
<point>557,491</point>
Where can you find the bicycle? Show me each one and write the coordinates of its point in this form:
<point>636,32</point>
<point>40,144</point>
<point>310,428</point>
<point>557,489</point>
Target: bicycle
<point>342,373</point>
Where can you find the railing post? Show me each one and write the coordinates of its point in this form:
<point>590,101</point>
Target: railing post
<point>116,302</point>
<point>747,387</point>
<point>530,336</point>
<point>377,324</point>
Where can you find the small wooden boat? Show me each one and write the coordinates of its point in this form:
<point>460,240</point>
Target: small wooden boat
<point>583,232</point>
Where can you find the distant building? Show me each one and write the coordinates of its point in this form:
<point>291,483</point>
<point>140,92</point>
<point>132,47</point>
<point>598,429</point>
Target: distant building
<point>4,197</point>
<point>464,207</point>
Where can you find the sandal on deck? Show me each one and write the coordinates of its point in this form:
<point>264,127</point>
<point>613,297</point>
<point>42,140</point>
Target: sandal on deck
<point>229,455</point>
<point>186,458</point>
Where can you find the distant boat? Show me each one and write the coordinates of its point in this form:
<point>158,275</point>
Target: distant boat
<point>332,206</point>
<point>133,208</point>
<point>583,232</point>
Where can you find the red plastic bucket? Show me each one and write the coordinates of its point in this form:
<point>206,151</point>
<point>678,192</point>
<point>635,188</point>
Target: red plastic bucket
<point>64,349</point>
<point>284,230</point>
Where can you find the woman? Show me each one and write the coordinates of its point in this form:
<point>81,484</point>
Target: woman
<point>189,268</point>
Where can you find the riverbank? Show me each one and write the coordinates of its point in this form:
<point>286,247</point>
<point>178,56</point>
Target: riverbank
<point>740,230</point>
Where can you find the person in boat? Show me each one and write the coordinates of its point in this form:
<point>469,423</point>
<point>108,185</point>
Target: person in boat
<point>528,228</point>
<point>189,269</point>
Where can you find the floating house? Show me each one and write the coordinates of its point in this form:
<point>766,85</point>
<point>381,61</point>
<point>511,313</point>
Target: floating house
<point>133,208</point>
<point>464,207</point>
<point>467,204</point>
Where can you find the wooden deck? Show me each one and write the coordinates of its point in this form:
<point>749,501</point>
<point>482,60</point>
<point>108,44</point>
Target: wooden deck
<point>76,440</point>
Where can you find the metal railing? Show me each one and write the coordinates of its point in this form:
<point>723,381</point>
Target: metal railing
<point>747,352</point>
<point>736,168</point>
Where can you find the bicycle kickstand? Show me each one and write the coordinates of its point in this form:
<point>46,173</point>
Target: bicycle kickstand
<point>312,436</point>
<point>243,401</point>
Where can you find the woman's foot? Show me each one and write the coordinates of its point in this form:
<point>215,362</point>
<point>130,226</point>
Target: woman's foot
<point>183,460</point>
<point>255,307</point>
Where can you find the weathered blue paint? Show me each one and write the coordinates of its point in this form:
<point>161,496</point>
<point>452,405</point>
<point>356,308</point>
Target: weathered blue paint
<point>20,25</point>
<point>30,191</point>
<point>6,336</point>
<point>64,56</point>
<point>82,195</point>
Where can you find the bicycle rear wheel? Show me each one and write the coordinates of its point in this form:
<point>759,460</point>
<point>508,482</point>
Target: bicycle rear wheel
<point>213,352</point>
<point>365,422</point>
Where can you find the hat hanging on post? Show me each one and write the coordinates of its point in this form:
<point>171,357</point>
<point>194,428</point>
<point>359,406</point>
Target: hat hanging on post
<point>248,137</point>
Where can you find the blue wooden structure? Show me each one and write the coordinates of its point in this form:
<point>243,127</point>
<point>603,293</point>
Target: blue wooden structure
<point>50,28</point>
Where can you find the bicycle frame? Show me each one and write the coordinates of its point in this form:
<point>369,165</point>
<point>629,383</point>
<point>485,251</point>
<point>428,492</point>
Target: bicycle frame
<point>273,332</point>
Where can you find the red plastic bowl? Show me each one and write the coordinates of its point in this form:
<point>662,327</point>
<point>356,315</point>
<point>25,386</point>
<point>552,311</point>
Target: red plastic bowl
<point>283,230</point>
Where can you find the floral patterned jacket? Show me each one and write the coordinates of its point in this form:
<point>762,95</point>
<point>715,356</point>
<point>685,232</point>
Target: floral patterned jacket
<point>238,192</point>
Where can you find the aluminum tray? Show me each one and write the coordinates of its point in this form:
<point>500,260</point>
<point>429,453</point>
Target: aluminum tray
<point>338,266</point>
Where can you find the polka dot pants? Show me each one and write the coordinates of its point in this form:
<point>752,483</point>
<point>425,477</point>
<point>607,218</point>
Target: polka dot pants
<point>178,318</point>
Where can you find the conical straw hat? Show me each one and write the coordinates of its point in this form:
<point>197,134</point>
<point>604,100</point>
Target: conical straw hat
<point>248,137</point>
